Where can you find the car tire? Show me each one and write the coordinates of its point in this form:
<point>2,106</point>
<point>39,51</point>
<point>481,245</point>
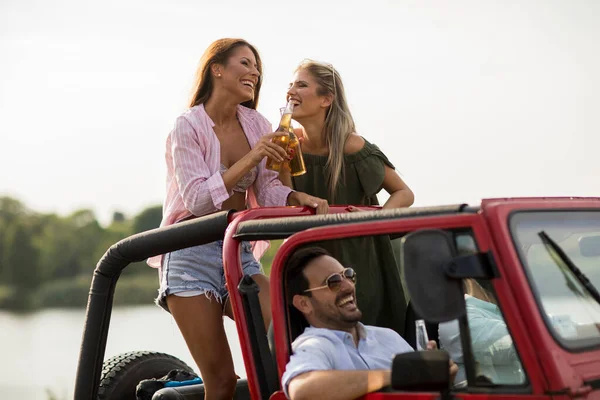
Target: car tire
<point>122,373</point>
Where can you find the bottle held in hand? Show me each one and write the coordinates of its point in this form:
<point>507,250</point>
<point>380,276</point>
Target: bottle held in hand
<point>422,337</point>
<point>285,124</point>
<point>296,164</point>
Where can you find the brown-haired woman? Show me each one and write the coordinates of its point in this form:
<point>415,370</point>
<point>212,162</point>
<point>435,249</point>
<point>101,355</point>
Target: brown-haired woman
<point>215,158</point>
<point>355,171</point>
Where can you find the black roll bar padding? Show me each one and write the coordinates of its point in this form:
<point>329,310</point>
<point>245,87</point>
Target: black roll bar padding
<point>279,228</point>
<point>265,364</point>
<point>135,248</point>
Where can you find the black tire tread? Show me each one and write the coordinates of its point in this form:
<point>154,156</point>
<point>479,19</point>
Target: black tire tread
<point>115,366</point>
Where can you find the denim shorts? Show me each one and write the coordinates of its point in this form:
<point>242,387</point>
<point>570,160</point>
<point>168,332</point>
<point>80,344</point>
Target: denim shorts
<point>198,270</point>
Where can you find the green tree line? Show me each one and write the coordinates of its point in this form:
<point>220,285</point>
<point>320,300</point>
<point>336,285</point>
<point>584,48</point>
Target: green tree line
<point>47,260</point>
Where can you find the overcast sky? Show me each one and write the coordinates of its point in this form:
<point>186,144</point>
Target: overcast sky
<point>469,99</point>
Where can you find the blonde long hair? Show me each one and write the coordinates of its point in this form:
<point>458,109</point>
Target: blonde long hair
<point>339,123</point>
<point>473,288</point>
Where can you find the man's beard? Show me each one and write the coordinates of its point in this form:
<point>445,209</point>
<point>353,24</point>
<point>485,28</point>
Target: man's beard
<point>338,319</point>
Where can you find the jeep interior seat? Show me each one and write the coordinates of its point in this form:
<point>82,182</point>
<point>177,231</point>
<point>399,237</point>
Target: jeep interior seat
<point>296,323</point>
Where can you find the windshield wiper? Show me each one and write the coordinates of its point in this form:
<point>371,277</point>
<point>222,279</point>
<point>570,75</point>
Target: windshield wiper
<point>548,242</point>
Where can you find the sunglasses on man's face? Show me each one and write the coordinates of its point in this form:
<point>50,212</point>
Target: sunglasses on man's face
<point>334,281</point>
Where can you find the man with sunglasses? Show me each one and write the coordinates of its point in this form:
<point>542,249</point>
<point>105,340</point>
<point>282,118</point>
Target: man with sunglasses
<point>336,357</point>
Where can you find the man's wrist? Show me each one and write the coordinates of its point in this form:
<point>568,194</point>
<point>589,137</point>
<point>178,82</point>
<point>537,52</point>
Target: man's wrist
<point>387,378</point>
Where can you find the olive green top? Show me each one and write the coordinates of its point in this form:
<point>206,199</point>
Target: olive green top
<point>379,290</point>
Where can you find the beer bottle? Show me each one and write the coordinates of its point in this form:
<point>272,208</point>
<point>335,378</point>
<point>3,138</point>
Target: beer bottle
<point>283,140</point>
<point>297,166</point>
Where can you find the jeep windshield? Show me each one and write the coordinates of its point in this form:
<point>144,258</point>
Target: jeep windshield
<point>569,309</point>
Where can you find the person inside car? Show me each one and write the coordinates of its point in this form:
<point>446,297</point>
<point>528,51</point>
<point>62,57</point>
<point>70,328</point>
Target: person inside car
<point>336,357</point>
<point>495,355</point>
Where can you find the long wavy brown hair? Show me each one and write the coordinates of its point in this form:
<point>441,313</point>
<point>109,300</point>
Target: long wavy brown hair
<point>219,52</point>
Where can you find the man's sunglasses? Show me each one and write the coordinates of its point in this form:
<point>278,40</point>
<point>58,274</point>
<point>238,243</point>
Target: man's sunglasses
<point>334,281</point>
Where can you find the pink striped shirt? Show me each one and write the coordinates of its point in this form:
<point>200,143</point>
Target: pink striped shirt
<point>194,182</point>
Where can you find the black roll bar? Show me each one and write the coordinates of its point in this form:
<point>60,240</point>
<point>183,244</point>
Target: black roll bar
<point>135,248</point>
<point>279,228</point>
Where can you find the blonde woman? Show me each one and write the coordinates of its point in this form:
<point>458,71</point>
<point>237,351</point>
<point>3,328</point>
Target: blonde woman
<point>345,168</point>
<point>492,346</point>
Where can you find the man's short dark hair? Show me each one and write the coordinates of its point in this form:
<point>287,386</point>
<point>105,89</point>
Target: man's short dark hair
<point>296,281</point>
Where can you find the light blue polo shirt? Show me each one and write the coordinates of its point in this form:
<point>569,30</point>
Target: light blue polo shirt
<point>320,349</point>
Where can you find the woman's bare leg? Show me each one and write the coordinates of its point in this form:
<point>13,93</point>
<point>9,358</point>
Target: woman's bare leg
<point>200,321</point>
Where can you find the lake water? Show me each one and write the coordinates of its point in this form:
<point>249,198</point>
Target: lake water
<point>40,350</point>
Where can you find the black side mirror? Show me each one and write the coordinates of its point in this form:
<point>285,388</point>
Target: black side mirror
<point>434,296</point>
<point>421,371</point>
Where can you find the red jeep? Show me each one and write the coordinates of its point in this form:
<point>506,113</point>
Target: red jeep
<point>540,257</point>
